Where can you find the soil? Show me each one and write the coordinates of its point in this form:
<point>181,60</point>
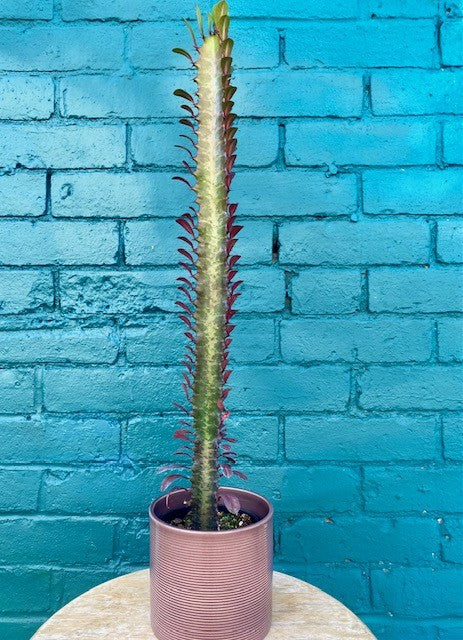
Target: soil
<point>226,521</point>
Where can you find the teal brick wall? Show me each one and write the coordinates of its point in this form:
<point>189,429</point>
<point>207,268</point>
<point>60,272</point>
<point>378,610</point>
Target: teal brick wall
<point>348,390</point>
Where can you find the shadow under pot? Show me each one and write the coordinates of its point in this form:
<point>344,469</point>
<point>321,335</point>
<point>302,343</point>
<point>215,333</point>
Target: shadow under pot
<point>211,585</point>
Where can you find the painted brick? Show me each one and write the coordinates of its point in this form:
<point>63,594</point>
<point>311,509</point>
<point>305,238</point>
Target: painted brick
<point>315,489</point>
<point>79,345</point>
<point>27,9</point>
<point>70,146</point>
<point>253,340</point>
<point>347,585</point>
<point>450,338</point>
<point>134,542</point>
<point>163,9</point>
<point>399,437</point>
<point>452,530</point>
<point>258,48</point>
<point>280,93</point>
<point>150,438</point>
<point>452,43</point>
<point>255,242</point>
<point>77,581</point>
<point>364,242</point>
<point>47,48</point>
<point>43,439</point>
<point>26,97</point>
<point>139,96</point>
<point>25,291</point>
<point>453,436</point>
<point>273,388</point>
<point>115,389</point>
<point>453,9</point>
<point>106,490</point>
<point>453,142</point>
<point>335,539</point>
<point>418,387</point>
<point>25,591</point>
<point>53,242</point>
<point>369,43</point>
<point>356,339</point>
<point>389,628</point>
<point>114,195</point>
<point>58,540</point>
<point>416,92</point>
<point>20,490</point>
<point>409,290</point>
<point>324,291</point>
<point>16,390</point>
<point>411,590</point>
<point>13,628</point>
<point>154,144</point>
<point>383,142</point>
<point>263,290</point>
<point>413,489</point>
<point>403,8</point>
<point>300,193</point>
<point>413,191</point>
<point>22,194</point>
<point>450,242</point>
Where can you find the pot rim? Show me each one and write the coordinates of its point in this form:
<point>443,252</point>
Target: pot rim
<point>161,523</point>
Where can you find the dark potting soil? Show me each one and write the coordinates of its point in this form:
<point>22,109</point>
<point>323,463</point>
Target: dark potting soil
<point>181,518</point>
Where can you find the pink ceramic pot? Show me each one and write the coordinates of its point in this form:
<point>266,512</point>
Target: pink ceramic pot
<point>211,585</point>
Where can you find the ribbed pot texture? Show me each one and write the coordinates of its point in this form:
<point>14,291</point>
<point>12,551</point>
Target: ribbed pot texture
<point>211,585</point>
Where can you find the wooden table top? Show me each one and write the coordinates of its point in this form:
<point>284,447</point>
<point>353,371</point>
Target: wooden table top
<point>120,609</point>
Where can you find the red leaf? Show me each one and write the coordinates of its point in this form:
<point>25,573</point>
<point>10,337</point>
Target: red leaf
<point>233,260</point>
<point>186,225</point>
<point>182,434</point>
<point>226,470</point>
<point>181,407</point>
<point>187,255</point>
<point>180,179</point>
<point>240,474</point>
<point>231,502</point>
<point>169,480</point>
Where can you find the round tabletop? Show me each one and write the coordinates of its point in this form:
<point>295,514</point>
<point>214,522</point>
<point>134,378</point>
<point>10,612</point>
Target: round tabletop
<point>120,609</point>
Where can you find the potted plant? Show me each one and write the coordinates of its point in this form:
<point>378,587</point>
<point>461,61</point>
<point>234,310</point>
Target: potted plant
<point>211,548</point>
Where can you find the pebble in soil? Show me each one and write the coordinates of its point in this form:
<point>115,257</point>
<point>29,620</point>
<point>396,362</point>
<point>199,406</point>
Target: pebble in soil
<point>225,521</point>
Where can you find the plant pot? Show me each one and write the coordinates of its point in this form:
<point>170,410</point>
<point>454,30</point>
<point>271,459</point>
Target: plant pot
<point>211,585</point>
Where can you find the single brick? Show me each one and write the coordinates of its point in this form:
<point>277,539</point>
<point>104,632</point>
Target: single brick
<point>253,340</point>
<point>403,8</point>
<point>302,489</point>
<point>351,439</point>
<point>344,539</point>
<point>450,338</point>
<point>386,627</point>
<point>70,146</point>
<point>134,542</point>
<point>20,628</point>
<point>26,98</point>
<point>418,387</point>
<point>106,490</point>
<point>27,9</point>
<point>139,96</point>
<point>52,48</point>
<point>114,195</point>
<point>366,43</point>
<point>452,534</point>
<point>147,49</point>
<point>79,345</point>
<point>410,591</point>
<point>281,93</point>
<point>150,438</point>
<point>356,339</point>
<point>452,427</point>
<point>384,142</point>
<point>59,540</point>
<point>25,291</point>
<point>111,389</point>
<point>300,193</point>
<point>416,290</point>
<point>16,390</point>
<point>453,142</point>
<point>263,290</point>
<point>43,439</point>
<point>354,243</point>
<point>413,191</point>
<point>416,92</point>
<point>324,291</point>
<point>22,194</point>
<point>57,242</point>
<point>452,42</point>
<point>350,585</point>
<point>450,241</point>
<point>25,590</point>
<point>290,9</point>
<point>413,489</point>
<point>283,387</point>
<point>154,144</point>
<point>20,489</point>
